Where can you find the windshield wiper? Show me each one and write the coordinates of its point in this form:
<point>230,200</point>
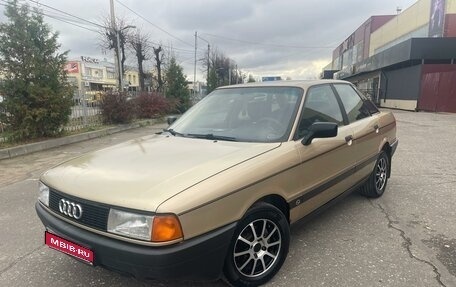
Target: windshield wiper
<point>212,137</point>
<point>173,132</point>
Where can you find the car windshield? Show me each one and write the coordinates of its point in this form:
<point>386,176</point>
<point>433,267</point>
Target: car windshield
<point>247,114</point>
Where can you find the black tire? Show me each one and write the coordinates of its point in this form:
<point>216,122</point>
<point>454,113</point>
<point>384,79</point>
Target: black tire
<point>376,184</point>
<point>259,255</point>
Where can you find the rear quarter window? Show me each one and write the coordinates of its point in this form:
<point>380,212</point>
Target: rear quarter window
<point>352,102</point>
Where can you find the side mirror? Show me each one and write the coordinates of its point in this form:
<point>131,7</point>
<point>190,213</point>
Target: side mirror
<point>320,130</point>
<point>171,119</point>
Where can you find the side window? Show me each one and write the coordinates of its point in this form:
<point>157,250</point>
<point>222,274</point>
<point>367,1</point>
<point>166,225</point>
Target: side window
<point>320,106</point>
<point>353,104</point>
<point>368,104</point>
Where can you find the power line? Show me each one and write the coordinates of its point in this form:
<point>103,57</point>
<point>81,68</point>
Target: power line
<point>172,48</point>
<point>68,14</point>
<point>71,23</point>
<point>203,39</point>
<point>56,17</point>
<point>51,13</point>
<point>268,44</point>
<point>180,62</point>
<point>159,28</point>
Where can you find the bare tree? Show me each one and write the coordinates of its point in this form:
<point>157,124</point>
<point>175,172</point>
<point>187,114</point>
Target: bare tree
<point>108,39</point>
<point>159,57</point>
<point>140,44</point>
<point>221,70</point>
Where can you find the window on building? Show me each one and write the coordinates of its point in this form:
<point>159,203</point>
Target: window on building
<point>347,58</point>
<point>134,79</point>
<point>97,73</point>
<point>111,75</point>
<point>359,52</point>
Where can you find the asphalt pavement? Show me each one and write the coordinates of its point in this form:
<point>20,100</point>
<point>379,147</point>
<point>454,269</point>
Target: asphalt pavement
<point>405,238</point>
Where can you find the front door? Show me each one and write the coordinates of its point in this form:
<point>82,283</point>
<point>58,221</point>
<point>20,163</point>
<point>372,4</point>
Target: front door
<point>326,164</point>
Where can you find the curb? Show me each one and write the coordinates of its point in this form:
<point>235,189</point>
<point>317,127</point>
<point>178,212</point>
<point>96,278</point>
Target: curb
<point>48,144</point>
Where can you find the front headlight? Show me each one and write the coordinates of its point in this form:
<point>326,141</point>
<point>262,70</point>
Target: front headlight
<point>156,228</point>
<point>129,224</point>
<point>43,195</point>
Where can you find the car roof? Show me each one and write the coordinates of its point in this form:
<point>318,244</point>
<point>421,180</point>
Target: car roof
<point>293,83</point>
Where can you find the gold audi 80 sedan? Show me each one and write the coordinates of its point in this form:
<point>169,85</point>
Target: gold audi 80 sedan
<point>214,194</point>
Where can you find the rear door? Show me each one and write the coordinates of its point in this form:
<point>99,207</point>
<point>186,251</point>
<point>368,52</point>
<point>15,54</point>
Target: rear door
<point>365,125</point>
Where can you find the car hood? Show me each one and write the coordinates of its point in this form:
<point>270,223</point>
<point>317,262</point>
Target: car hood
<point>142,173</point>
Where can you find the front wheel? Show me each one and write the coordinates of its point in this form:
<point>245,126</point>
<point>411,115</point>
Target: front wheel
<point>376,184</point>
<point>259,246</point>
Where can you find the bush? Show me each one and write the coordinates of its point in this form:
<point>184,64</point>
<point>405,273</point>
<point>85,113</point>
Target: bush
<point>36,111</point>
<point>120,109</point>
<point>117,108</point>
<point>152,105</point>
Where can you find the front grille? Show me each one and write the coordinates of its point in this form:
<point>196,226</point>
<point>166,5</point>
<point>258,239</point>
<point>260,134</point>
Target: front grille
<point>94,214</point>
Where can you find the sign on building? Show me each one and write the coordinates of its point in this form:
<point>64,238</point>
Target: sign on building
<point>267,79</point>
<point>71,68</point>
<point>90,60</point>
<point>437,18</point>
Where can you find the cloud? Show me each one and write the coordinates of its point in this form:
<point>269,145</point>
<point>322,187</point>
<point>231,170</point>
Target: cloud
<point>267,37</point>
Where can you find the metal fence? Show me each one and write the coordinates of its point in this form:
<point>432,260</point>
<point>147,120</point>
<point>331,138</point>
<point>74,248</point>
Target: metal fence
<point>85,112</point>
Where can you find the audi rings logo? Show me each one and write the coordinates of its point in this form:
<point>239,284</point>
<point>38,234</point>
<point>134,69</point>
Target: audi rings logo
<point>70,209</point>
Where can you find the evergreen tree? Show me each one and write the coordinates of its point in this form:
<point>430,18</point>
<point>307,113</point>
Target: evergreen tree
<point>212,81</point>
<point>37,96</point>
<point>176,85</point>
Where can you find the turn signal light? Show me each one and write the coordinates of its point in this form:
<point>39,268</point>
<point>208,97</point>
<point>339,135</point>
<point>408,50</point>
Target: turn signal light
<point>166,228</point>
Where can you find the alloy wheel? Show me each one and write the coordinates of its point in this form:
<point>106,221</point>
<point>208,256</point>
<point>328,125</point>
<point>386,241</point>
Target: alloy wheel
<point>257,248</point>
<point>381,174</point>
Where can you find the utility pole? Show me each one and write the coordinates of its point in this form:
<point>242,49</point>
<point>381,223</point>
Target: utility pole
<point>237,75</point>
<point>208,56</point>
<point>194,69</point>
<point>118,60</point>
<point>208,59</point>
<point>208,62</point>
<point>229,75</point>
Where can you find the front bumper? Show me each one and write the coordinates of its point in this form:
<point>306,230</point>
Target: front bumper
<point>199,258</point>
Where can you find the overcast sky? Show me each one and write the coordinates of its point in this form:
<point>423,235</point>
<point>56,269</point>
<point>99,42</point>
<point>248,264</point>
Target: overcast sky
<point>287,38</point>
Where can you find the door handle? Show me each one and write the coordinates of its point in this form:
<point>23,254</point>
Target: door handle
<point>376,128</point>
<point>349,140</point>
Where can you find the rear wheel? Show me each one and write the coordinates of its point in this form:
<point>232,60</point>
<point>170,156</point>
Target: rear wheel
<point>376,184</point>
<point>259,246</point>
